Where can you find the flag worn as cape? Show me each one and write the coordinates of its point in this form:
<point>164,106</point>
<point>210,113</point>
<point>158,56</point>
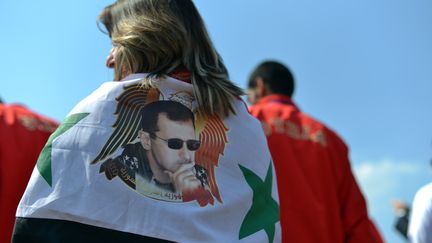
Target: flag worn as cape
<point>95,170</point>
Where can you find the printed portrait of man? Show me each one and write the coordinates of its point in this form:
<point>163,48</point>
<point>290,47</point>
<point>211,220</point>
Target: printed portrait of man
<point>165,154</point>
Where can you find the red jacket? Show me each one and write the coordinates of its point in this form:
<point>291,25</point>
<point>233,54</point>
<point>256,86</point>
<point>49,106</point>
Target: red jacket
<point>320,200</point>
<point>23,135</point>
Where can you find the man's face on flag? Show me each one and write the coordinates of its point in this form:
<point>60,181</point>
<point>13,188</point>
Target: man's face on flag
<point>173,146</point>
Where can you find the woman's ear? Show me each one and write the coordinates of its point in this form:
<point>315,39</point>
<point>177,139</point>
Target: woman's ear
<point>144,138</point>
<point>110,61</point>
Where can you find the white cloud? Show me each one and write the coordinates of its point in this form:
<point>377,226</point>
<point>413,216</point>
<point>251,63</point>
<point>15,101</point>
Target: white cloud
<point>384,177</point>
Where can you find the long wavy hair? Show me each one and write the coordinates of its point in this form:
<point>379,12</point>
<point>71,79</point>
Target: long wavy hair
<point>160,36</point>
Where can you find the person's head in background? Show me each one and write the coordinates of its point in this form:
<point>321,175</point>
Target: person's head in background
<point>162,36</point>
<point>270,77</point>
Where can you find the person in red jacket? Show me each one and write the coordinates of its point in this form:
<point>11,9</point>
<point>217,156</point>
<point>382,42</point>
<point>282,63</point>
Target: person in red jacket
<point>23,134</point>
<point>320,200</point>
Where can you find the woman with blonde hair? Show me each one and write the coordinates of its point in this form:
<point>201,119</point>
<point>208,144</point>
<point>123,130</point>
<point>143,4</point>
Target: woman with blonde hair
<point>167,152</point>
<point>161,37</point>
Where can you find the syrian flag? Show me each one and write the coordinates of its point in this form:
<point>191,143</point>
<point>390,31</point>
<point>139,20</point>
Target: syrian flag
<point>141,161</point>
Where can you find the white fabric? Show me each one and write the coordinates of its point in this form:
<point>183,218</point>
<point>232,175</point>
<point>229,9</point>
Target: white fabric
<point>80,193</point>
<point>420,224</point>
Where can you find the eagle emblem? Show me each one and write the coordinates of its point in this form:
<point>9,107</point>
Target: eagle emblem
<point>163,150</point>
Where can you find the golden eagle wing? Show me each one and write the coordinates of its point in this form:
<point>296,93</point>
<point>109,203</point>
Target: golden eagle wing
<point>128,112</point>
<point>213,137</point>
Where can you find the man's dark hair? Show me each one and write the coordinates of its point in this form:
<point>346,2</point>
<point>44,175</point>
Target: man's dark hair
<point>175,111</point>
<point>276,76</point>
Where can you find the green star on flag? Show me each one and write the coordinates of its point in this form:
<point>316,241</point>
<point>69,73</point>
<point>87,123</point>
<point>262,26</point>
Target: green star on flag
<point>264,212</point>
<point>44,161</point>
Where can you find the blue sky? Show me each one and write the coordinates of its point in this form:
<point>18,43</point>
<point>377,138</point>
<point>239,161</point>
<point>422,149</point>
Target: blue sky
<point>362,67</point>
